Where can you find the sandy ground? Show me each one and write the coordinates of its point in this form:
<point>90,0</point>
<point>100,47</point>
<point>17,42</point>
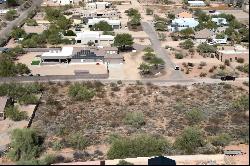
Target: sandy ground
<point>239,159</point>
<point>60,69</point>
<point>144,42</point>
<point>128,70</point>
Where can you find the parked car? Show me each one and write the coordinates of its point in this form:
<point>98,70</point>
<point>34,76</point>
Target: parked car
<point>176,68</point>
<point>228,78</point>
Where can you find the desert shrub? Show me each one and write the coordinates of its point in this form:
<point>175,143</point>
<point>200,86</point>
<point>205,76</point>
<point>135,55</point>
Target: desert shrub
<point>203,64</point>
<point>119,82</point>
<point>135,119</point>
<point>222,67</point>
<point>179,56</point>
<point>227,62</point>
<point>246,83</point>
<point>57,145</point>
<point>77,141</point>
<point>241,103</point>
<point>227,86</point>
<point>243,68</point>
<point>202,74</point>
<point>123,162</point>
<point>46,160</point>
<point>26,144</point>
<point>81,155</point>
<point>190,139</point>
<point>81,92</point>
<point>141,145</point>
<point>14,114</point>
<point>148,49</point>
<point>28,99</point>
<point>240,60</point>
<point>221,140</point>
<point>113,137</point>
<point>194,116</point>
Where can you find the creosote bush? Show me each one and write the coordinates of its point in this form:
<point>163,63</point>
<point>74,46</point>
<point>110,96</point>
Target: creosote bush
<point>81,92</point>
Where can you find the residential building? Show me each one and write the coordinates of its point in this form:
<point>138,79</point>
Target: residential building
<point>232,53</point>
<point>95,37</point>
<point>4,101</point>
<point>64,2</point>
<point>2,1</point>
<point>3,12</point>
<point>202,36</point>
<point>220,21</point>
<point>116,24</point>
<point>82,55</point>
<point>98,5</point>
<point>182,23</point>
<point>197,3</point>
<point>107,13</point>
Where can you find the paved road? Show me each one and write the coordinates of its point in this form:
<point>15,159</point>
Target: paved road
<point>4,32</point>
<point>161,52</point>
<point>104,79</point>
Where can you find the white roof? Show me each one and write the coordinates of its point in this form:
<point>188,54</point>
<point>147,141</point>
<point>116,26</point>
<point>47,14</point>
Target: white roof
<point>66,51</point>
<point>4,11</point>
<point>88,34</point>
<point>196,2</point>
<point>107,37</point>
<point>97,20</point>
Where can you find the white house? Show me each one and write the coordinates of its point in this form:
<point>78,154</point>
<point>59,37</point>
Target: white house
<point>182,23</point>
<point>196,3</point>
<point>3,11</point>
<point>58,56</point>
<point>220,21</point>
<point>64,2</point>
<point>98,5</point>
<point>116,24</point>
<point>95,37</point>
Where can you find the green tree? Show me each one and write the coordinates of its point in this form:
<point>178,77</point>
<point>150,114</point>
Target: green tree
<point>206,48</point>
<point>189,140</point>
<point>145,68</point>
<point>63,23</point>
<point>141,145</point>
<point>123,40</point>
<point>186,33</point>
<point>102,26</point>
<point>11,15</point>
<point>7,67</point>
<point>14,114</point>
<point>187,44</point>
<point>31,22</point>
<point>22,69</point>
<point>18,33</point>
<point>12,3</point>
<point>26,144</point>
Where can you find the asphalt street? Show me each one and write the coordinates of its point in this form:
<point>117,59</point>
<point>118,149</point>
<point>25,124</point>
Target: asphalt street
<point>23,15</point>
<point>161,52</point>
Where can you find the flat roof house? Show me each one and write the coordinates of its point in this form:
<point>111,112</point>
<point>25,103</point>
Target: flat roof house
<point>82,55</point>
<point>116,24</point>
<point>3,11</point>
<point>232,53</point>
<point>220,21</point>
<point>95,37</point>
<point>64,2</point>
<point>98,5</point>
<point>182,23</point>
<point>196,3</point>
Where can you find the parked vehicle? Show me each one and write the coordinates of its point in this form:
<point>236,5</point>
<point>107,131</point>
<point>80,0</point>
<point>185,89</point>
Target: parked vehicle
<point>176,68</point>
<point>228,78</point>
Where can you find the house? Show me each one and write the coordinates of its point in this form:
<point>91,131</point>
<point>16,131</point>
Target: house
<point>98,5</point>
<point>82,54</point>
<point>95,37</point>
<point>2,1</point>
<point>64,2</point>
<point>232,53</point>
<point>182,13</point>
<point>220,21</point>
<point>3,12</point>
<point>107,13</point>
<point>4,102</point>
<point>197,3</point>
<point>116,24</point>
<point>182,23</point>
<point>203,35</point>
